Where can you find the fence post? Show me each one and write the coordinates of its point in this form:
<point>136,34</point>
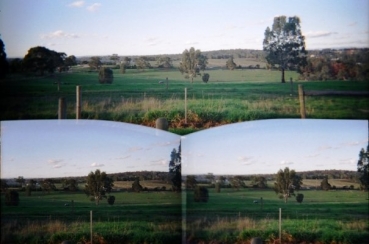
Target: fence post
<point>167,82</point>
<point>186,105</point>
<point>91,225</point>
<point>302,101</point>
<point>78,102</point>
<point>280,225</point>
<point>62,111</point>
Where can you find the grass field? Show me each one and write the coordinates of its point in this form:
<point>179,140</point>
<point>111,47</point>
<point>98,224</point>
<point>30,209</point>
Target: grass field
<point>230,216</point>
<point>137,97</point>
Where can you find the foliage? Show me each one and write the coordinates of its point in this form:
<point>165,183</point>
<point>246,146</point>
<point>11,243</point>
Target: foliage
<point>70,184</point>
<point>259,182</point>
<point>164,62</point>
<point>191,182</point>
<point>205,77</point>
<point>324,185</point>
<point>285,44</point>
<point>11,198</point>
<point>4,185</point>
<point>286,182</point>
<point>70,61</point>
<point>4,65</point>
<point>97,184</point>
<point>105,75</point>
<point>299,197</point>
<point>142,63</point>
<point>95,63</point>
<point>39,60</point>
<point>237,182</point>
<point>201,194</point>
<point>136,187</point>
<point>191,63</point>
<point>217,187</point>
<point>230,64</point>
<point>122,68</point>
<point>47,185</point>
<point>363,167</point>
<point>175,169</point>
<point>111,200</point>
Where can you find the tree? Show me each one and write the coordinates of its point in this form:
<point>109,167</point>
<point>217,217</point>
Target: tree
<point>324,184</point>
<point>95,62</point>
<point>127,62</point>
<point>284,44</point>
<point>286,182</point>
<point>230,64</point>
<point>70,184</point>
<point>142,63</point>
<point>136,187</point>
<point>237,182</point>
<point>164,62</point>
<point>20,180</point>
<point>4,185</point>
<point>175,169</point>
<point>70,61</point>
<point>205,77</point>
<point>363,167</point>
<point>40,59</point>
<point>97,184</point>
<point>259,182</point>
<point>191,63</point>
<point>299,197</point>
<point>47,185</point>
<point>115,57</point>
<point>106,75</point>
<point>191,182</point>
<point>4,65</point>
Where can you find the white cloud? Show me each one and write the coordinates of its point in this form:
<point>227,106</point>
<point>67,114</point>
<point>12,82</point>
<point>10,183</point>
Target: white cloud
<point>94,7</point>
<point>284,162</point>
<point>96,165</point>
<point>77,4</point>
<point>54,161</point>
<point>58,34</point>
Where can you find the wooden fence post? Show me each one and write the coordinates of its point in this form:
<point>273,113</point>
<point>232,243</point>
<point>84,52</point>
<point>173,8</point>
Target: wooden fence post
<point>91,226</point>
<point>280,225</point>
<point>78,102</point>
<point>302,102</point>
<point>162,124</point>
<point>167,82</point>
<point>62,111</point>
<point>186,105</point>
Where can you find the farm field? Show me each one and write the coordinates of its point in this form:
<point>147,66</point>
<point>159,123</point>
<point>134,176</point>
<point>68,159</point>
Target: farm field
<point>137,97</point>
<point>146,217</point>
<point>231,216</point>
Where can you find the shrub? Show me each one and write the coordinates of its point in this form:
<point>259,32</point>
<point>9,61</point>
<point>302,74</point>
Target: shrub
<point>11,198</point>
<point>300,198</point>
<point>105,75</point>
<point>136,187</point>
<point>205,77</point>
<point>201,194</point>
<point>111,200</point>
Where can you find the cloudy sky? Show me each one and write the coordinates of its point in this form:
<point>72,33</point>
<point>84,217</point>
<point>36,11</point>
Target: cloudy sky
<point>145,27</point>
<point>60,148</point>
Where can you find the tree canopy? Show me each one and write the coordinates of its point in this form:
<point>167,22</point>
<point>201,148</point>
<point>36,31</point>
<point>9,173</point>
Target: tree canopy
<point>284,44</point>
<point>363,167</point>
<point>286,183</point>
<point>231,65</point>
<point>4,65</point>
<point>175,169</point>
<point>97,184</point>
<point>192,62</point>
<point>40,60</point>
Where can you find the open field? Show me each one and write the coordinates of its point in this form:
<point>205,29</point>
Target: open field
<point>230,216</point>
<point>137,97</point>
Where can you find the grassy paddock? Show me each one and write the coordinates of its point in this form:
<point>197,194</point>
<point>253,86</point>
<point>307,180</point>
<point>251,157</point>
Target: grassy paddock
<point>146,217</point>
<point>137,97</point>
<point>323,217</point>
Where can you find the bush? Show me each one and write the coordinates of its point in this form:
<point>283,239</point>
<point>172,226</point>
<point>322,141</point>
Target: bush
<point>105,75</point>
<point>300,198</point>
<point>11,198</point>
<point>111,200</point>
<point>201,194</point>
<point>205,77</point>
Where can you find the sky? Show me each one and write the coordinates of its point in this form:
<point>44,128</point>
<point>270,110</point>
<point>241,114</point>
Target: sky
<point>63,148</point>
<point>147,27</point>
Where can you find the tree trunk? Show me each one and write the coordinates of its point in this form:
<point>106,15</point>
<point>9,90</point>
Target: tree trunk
<point>283,80</point>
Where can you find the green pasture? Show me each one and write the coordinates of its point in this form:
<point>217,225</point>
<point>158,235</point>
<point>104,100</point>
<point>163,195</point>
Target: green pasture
<point>137,97</point>
<point>323,217</point>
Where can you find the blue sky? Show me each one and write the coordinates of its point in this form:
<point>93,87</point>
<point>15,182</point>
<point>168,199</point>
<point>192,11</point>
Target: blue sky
<point>61,148</point>
<point>145,27</point>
